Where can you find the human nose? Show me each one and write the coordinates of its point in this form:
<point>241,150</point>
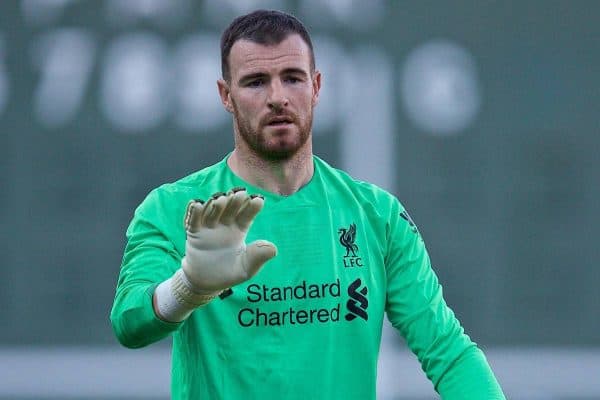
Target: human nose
<point>277,97</point>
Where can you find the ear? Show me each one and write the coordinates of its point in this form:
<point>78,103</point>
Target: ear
<point>316,83</point>
<point>225,94</point>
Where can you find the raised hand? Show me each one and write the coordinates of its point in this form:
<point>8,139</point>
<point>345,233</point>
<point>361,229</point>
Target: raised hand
<point>216,254</point>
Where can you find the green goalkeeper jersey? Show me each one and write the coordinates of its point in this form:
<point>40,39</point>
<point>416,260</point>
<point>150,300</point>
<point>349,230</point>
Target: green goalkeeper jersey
<point>308,325</point>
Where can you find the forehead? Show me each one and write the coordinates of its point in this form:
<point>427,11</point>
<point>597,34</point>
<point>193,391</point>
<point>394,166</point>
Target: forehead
<point>249,57</point>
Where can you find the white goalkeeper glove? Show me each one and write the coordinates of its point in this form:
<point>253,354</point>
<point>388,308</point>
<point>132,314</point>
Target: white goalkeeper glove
<point>216,254</point>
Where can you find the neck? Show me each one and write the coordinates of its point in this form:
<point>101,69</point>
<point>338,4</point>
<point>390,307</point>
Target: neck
<point>284,177</point>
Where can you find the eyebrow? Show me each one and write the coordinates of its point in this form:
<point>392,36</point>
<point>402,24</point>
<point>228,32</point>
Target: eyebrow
<point>256,75</point>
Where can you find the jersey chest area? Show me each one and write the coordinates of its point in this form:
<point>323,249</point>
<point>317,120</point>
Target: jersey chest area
<point>333,238</point>
<point>328,272</point>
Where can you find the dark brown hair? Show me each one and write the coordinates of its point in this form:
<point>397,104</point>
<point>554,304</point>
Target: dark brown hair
<point>268,27</point>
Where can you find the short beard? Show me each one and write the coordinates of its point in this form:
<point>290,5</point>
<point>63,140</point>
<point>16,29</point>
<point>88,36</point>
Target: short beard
<point>258,143</point>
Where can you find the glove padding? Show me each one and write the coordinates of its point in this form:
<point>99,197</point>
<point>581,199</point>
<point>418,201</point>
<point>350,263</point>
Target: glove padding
<point>216,254</point>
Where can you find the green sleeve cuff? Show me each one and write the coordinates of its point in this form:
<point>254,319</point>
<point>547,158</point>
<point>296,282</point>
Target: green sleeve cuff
<point>470,378</point>
<point>134,321</point>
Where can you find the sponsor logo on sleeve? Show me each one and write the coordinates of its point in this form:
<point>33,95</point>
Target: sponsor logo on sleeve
<point>408,219</point>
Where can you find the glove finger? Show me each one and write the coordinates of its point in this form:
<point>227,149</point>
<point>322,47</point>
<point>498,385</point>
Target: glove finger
<point>237,198</point>
<point>193,215</point>
<point>213,209</point>
<point>256,255</point>
<point>248,211</point>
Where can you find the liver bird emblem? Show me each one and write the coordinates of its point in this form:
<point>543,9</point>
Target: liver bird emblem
<point>347,237</point>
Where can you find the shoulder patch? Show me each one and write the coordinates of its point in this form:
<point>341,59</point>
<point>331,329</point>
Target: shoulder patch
<point>407,218</point>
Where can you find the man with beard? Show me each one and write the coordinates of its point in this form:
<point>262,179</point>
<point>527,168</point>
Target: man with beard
<point>338,254</point>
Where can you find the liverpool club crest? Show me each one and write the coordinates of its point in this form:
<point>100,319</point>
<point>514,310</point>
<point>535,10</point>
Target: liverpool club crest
<point>347,238</point>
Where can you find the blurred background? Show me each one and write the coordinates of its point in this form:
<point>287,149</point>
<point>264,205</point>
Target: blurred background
<point>481,116</point>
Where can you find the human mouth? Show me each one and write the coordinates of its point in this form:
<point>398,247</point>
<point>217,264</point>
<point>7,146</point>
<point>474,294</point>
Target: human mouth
<point>279,121</point>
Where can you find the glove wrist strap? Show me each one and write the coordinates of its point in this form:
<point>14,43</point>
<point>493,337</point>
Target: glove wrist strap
<point>176,298</point>
<point>184,292</point>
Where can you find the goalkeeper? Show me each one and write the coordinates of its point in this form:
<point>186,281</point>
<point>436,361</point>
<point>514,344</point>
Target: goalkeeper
<point>272,270</point>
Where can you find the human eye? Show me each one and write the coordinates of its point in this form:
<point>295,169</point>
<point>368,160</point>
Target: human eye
<point>254,83</point>
<point>293,79</point>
